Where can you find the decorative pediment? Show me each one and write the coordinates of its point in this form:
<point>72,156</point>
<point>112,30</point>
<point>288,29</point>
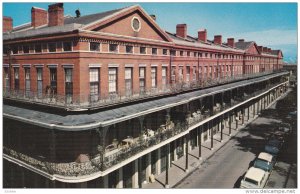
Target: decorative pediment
<point>132,21</point>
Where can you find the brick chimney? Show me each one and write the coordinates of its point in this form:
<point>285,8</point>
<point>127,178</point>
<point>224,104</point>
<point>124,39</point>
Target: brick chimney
<point>181,30</point>
<point>230,42</point>
<point>269,50</point>
<point>241,40</point>
<point>56,14</point>
<point>218,39</point>
<point>202,35</point>
<point>7,24</point>
<point>39,17</point>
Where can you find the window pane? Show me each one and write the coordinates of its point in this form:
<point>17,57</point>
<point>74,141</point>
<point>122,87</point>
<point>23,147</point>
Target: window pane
<point>112,78</point>
<point>39,73</point>
<point>153,77</point>
<point>154,51</point>
<point>113,48</point>
<point>27,73</point>
<point>94,46</point>
<point>25,49</point>
<point>142,72</point>
<point>129,49</point>
<point>16,70</point>
<point>143,50</point>
<point>68,75</point>
<point>67,46</point>
<point>38,48</point>
<point>94,75</point>
<point>52,47</point>
<point>127,73</point>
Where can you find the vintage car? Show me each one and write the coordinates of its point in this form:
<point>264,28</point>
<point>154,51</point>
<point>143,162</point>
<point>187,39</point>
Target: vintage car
<point>273,146</point>
<point>265,161</point>
<point>254,178</point>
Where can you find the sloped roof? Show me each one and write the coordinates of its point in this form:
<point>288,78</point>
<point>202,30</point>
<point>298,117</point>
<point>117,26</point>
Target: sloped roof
<point>243,45</point>
<point>191,41</point>
<point>90,18</point>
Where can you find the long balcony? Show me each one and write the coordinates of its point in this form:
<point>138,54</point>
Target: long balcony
<point>88,101</point>
<point>114,153</point>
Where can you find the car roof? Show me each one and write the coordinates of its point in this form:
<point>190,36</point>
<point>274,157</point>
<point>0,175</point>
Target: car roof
<point>265,156</point>
<point>255,174</point>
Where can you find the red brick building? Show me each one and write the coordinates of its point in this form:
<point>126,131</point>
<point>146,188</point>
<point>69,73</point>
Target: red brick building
<point>107,99</point>
<point>116,54</point>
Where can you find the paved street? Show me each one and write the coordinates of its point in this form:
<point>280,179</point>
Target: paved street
<point>227,166</point>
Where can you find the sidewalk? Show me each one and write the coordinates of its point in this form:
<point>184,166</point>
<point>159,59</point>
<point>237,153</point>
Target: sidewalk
<point>177,170</point>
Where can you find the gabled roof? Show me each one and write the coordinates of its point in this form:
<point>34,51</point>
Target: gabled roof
<point>86,22</point>
<point>192,41</point>
<point>87,19</point>
<point>243,45</point>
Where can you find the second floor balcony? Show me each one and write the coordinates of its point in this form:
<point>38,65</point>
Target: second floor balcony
<point>80,102</point>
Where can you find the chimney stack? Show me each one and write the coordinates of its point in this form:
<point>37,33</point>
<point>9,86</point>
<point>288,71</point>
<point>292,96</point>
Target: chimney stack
<point>202,35</point>
<point>153,17</point>
<point>38,17</point>
<point>230,42</point>
<point>181,30</point>
<point>7,24</point>
<point>241,40</point>
<point>218,39</point>
<point>269,50</point>
<point>56,14</point>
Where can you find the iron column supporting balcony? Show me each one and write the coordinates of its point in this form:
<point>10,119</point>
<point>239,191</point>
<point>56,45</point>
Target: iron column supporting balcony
<point>199,140</point>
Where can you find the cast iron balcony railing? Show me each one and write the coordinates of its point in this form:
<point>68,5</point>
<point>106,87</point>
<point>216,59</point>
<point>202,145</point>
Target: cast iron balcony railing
<point>91,101</point>
<point>106,159</point>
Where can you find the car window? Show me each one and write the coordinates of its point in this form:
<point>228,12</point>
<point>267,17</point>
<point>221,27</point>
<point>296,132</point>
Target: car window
<point>251,181</point>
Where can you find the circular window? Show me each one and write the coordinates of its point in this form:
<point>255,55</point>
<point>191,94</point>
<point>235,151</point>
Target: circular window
<point>136,24</point>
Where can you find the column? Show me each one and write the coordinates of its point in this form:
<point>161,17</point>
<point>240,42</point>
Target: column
<point>135,176</point>
<point>167,166</point>
<point>105,181</point>
<point>211,135</point>
<point>175,148</point>
<point>148,168</point>
<point>120,178</point>
<point>243,115</point>
<point>184,146</point>
<point>53,146</point>
<point>236,120</point>
<point>253,109</point>
<point>187,154</point>
<point>222,127</point>
<point>248,115</point>
<point>261,104</point>
<point>158,162</point>
<point>200,141</point>
<point>229,123</point>
<point>47,184</point>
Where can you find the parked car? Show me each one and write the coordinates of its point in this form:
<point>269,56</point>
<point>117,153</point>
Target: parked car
<point>273,146</point>
<point>292,115</point>
<point>285,128</point>
<point>265,161</point>
<point>254,178</point>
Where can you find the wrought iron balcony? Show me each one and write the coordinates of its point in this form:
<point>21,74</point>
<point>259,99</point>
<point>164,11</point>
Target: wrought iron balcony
<point>106,159</point>
<point>91,101</point>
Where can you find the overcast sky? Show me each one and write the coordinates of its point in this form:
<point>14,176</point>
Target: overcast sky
<point>269,24</point>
